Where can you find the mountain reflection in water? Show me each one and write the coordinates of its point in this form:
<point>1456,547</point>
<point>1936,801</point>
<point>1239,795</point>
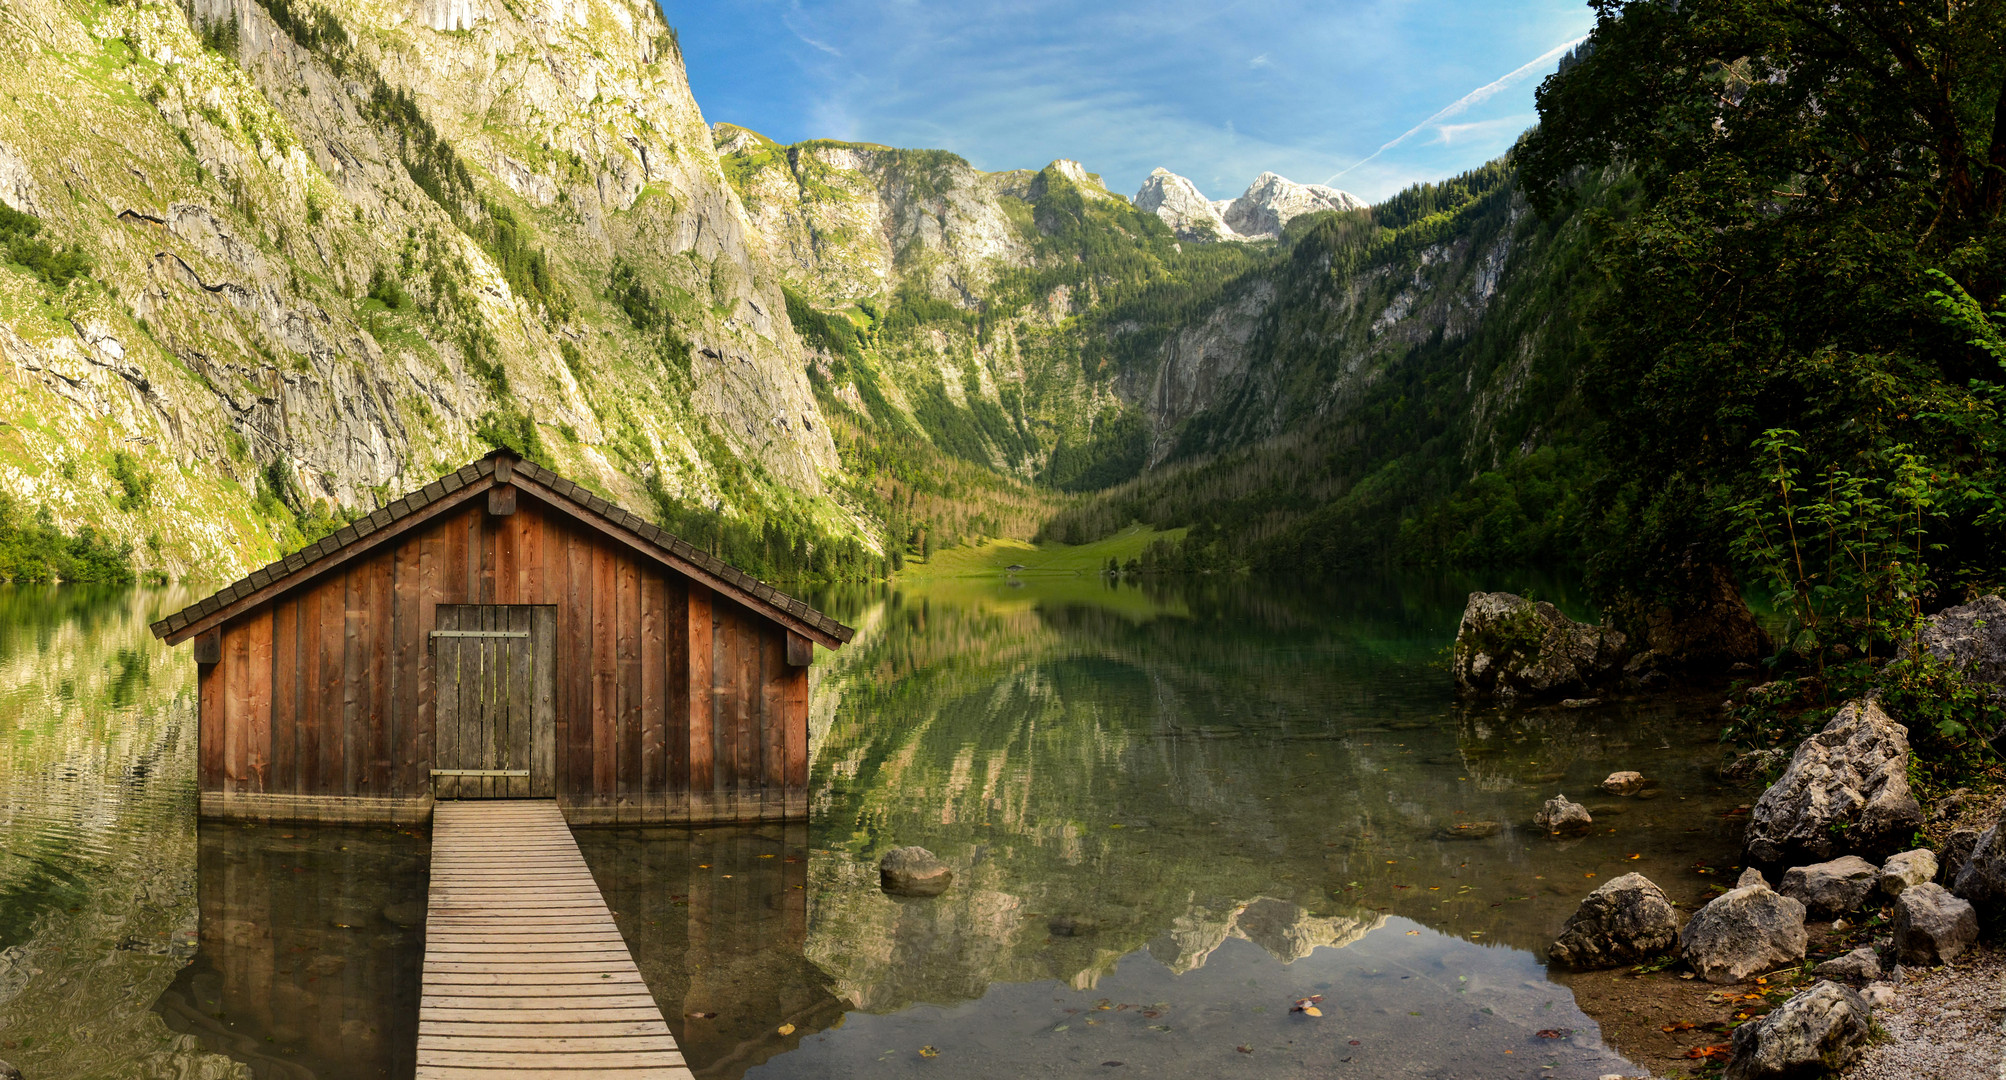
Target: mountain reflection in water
<point>1171,810</point>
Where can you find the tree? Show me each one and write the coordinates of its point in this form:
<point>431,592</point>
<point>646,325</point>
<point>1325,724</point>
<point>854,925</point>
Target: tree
<point>1806,175</point>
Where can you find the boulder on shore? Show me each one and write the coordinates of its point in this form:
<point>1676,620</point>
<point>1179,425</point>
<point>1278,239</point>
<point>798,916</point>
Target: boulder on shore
<point>1560,816</point>
<point>1907,870</point>
<point>913,871</point>
<point>1510,647</point>
<point>1831,889</point>
<point>1970,636</point>
<point>1710,627</point>
<point>1819,1031</point>
<point>1932,926</point>
<point>1957,848</point>
<point>1626,921</point>
<point>1862,963</point>
<point>1846,789</point>
<point>1743,933</point>
<point>1981,878</point>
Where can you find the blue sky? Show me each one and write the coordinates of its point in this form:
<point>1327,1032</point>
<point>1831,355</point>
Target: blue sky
<point>1217,91</point>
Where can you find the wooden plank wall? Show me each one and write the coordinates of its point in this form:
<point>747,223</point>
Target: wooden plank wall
<point>672,703</point>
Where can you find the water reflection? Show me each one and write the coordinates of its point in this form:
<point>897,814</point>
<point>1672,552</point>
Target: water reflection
<point>312,944</point>
<point>1172,810</point>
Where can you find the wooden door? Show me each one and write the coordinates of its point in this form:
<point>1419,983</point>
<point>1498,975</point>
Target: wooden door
<point>495,706</point>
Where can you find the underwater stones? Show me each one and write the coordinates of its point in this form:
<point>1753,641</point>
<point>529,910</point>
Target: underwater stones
<point>1744,932</point>
<point>1624,783</point>
<point>1561,816</point>
<point>1906,870</point>
<point>1862,964</point>
<point>1932,926</point>
<point>1820,1030</point>
<point>1469,830</point>
<point>1626,921</point>
<point>1846,789</point>
<point>913,871</point>
<point>1831,889</point>
<point>1510,647</point>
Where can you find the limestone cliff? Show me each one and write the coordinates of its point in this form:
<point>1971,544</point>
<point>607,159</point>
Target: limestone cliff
<point>339,249</point>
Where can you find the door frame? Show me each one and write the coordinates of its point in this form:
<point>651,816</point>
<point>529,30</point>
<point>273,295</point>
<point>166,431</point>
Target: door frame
<point>538,624</point>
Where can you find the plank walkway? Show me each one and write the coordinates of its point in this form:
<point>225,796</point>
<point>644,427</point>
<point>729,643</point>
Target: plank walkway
<point>525,974</point>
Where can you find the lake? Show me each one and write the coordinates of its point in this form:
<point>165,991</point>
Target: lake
<point>1174,809</point>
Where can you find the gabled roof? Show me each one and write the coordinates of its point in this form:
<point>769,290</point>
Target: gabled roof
<point>455,489</point>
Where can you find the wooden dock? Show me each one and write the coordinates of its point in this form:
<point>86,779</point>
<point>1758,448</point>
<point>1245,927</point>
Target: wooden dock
<point>525,974</point>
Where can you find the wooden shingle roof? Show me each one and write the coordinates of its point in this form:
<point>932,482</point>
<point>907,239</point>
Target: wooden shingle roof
<point>454,489</point>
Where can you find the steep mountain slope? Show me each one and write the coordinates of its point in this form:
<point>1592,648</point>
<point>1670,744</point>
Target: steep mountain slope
<point>337,250</point>
<point>1243,386</point>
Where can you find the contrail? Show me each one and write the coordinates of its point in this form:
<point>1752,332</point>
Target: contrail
<point>1480,94</point>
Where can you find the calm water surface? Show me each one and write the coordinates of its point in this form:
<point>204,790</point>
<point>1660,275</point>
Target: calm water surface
<point>1171,812</point>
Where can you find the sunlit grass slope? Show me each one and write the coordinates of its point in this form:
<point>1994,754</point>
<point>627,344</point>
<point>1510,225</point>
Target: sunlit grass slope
<point>997,556</point>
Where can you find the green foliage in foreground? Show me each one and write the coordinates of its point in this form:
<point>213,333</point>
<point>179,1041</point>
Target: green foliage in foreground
<point>34,550</point>
<point>1817,249</point>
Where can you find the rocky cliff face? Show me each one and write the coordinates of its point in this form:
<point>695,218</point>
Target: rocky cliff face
<point>337,251</point>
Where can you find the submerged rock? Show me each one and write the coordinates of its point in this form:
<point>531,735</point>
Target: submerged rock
<point>1846,789</point>
<point>913,871</point>
<point>1932,926</point>
<point>1831,889</point>
<point>1863,964</point>
<point>1820,1030</point>
<point>1970,636</point>
<point>1743,933</point>
<point>1470,830</point>
<point>1626,921</point>
<point>1511,647</point>
<point>1625,783</point>
<point>1906,870</point>
<point>1560,815</point>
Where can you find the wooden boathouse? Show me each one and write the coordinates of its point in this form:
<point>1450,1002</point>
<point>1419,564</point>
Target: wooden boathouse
<point>503,633</point>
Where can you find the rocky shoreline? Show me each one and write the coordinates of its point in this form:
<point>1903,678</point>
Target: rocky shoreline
<point>1847,946</point>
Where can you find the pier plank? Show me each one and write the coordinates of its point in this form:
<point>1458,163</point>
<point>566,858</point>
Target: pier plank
<point>525,973</point>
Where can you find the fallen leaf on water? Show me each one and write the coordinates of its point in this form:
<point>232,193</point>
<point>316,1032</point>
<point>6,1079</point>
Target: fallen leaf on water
<point>1110,1064</point>
<point>1554,1033</point>
<point>1244,1048</point>
<point>1682,1025</point>
<point>928,1051</point>
<point>786,1029</point>
<point>703,1016</point>
<point>1312,1011</point>
<point>1709,1053</point>
<point>1413,933</point>
<point>1354,1042</point>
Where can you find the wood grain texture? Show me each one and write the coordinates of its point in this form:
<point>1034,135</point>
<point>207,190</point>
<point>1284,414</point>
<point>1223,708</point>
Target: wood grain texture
<point>703,694</point>
<point>573,1006</point>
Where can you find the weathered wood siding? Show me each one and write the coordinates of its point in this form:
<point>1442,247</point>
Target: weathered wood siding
<point>674,703</point>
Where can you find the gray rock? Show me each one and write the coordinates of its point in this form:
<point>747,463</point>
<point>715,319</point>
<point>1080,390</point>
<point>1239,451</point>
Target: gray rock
<point>1846,789</point>
<point>1957,848</point>
<point>1743,933</point>
<point>1817,1032</point>
<point>1908,869</point>
<point>1755,764</point>
<point>1511,647</point>
<point>1625,783</point>
<point>1831,889</point>
<point>1709,627</point>
<point>1932,926</point>
<point>913,871</point>
<point>1626,921</point>
<point>1863,964</point>
<point>1751,876</point>
<point>1879,995</point>
<point>1970,636</point>
<point>1982,877</point>
<point>9,1072</point>
<point>1560,815</point>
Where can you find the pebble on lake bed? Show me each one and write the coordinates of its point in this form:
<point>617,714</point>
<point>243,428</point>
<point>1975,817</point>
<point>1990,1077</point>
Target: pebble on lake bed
<point>1626,782</point>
